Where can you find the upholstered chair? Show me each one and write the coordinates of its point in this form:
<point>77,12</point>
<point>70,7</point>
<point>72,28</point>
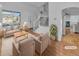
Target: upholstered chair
<point>25,47</point>
<point>42,41</point>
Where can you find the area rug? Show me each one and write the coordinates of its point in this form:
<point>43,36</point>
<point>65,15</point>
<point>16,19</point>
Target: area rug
<point>71,38</point>
<point>70,45</point>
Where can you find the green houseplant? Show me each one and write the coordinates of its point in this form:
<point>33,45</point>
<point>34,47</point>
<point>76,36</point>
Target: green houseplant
<point>53,31</point>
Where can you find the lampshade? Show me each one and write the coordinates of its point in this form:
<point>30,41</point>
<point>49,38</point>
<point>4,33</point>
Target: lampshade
<point>25,24</point>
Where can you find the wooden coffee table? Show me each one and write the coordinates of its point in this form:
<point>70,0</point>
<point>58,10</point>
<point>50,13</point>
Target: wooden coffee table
<point>20,33</point>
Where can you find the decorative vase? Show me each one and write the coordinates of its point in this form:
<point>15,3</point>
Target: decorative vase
<point>53,37</point>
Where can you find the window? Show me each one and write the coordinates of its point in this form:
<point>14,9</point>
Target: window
<point>10,19</point>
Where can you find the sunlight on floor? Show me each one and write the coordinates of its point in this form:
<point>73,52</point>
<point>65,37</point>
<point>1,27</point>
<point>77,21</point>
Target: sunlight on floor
<point>7,47</point>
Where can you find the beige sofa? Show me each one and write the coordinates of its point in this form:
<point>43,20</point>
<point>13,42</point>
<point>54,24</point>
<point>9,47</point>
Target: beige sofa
<point>41,42</point>
<point>10,32</point>
<point>25,47</point>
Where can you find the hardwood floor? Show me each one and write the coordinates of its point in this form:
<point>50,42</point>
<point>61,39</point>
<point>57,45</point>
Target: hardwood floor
<point>57,48</point>
<point>52,49</point>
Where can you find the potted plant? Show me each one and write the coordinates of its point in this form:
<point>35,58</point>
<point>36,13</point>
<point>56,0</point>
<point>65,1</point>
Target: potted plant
<point>53,31</point>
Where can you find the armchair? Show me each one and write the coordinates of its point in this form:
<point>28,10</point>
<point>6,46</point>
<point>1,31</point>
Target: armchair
<point>41,42</point>
<point>26,47</point>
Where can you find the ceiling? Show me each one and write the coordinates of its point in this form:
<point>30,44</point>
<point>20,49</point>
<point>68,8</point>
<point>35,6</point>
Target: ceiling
<point>71,11</point>
<point>36,4</point>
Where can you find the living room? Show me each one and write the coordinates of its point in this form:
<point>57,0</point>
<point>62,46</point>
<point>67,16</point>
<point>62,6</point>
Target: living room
<point>23,20</point>
<point>38,29</point>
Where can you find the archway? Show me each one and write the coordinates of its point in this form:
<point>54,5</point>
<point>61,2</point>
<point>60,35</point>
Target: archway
<point>70,20</point>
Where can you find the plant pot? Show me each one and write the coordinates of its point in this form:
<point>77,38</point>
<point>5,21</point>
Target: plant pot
<point>53,37</point>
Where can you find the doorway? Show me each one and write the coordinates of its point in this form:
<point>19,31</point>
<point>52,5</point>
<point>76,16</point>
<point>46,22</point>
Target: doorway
<point>70,22</point>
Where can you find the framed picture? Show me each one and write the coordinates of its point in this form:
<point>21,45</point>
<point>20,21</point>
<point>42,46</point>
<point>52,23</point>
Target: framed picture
<point>44,21</point>
<point>67,23</point>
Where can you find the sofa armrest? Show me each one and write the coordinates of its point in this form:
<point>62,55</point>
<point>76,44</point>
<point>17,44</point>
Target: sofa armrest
<point>36,38</point>
<point>16,52</point>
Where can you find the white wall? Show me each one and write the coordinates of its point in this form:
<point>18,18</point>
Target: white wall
<point>55,11</point>
<point>74,21</point>
<point>44,29</point>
